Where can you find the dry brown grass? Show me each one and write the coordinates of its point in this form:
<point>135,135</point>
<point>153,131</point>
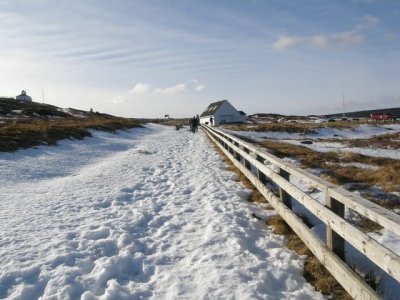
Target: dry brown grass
<point>25,134</point>
<point>256,196</point>
<point>387,176</point>
<point>386,141</point>
<point>169,122</point>
<point>314,272</point>
<point>275,127</point>
<point>308,157</point>
<point>291,127</point>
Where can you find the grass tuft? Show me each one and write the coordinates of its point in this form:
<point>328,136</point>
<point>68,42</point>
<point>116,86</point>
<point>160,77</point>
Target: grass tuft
<point>314,272</point>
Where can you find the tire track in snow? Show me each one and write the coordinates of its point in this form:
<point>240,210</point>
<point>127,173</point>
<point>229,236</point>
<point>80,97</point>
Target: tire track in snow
<point>158,216</point>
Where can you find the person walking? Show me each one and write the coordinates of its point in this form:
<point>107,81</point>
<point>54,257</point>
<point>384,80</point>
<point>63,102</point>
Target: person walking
<point>197,123</point>
<point>194,124</point>
<point>190,124</point>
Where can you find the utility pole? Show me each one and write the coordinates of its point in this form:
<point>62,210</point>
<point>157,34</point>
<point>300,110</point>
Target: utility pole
<point>343,105</point>
<point>42,94</point>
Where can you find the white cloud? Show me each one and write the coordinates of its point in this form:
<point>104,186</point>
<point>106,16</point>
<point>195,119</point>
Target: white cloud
<point>320,40</point>
<point>145,91</point>
<point>200,87</point>
<point>284,42</point>
<point>344,38</point>
<point>188,86</point>
<point>173,90</point>
<point>141,88</point>
<point>347,38</point>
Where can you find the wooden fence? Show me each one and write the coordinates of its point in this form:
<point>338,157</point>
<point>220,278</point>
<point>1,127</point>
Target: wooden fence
<point>251,161</point>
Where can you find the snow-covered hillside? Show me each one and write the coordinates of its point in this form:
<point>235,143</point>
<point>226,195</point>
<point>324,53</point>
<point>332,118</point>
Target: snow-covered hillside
<point>147,213</point>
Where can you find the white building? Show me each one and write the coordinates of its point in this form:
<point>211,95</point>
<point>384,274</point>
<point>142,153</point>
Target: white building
<point>221,112</point>
<point>23,97</point>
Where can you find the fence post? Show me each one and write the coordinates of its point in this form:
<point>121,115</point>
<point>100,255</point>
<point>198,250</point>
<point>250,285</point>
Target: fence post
<point>231,150</point>
<point>237,155</point>
<point>261,176</point>
<point>283,195</point>
<point>246,162</point>
<point>224,144</point>
<point>334,241</point>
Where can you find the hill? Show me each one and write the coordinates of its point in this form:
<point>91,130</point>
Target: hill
<point>17,110</point>
<point>366,113</point>
<point>355,114</point>
<point>28,124</point>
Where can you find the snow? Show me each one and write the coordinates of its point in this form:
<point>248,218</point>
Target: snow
<point>387,287</point>
<point>147,213</point>
<point>356,165</point>
<point>358,132</point>
<point>335,147</point>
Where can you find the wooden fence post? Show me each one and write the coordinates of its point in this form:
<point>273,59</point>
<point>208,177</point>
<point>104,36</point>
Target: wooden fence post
<point>334,241</point>
<point>261,176</point>
<point>237,155</point>
<point>231,151</point>
<point>225,145</point>
<point>283,195</point>
<point>246,162</point>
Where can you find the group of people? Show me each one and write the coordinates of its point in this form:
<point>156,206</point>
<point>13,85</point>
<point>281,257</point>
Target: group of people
<point>194,124</point>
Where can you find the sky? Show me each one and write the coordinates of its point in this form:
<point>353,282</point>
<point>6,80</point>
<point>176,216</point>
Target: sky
<point>155,57</point>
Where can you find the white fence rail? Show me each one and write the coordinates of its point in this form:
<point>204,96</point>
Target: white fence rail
<point>251,161</point>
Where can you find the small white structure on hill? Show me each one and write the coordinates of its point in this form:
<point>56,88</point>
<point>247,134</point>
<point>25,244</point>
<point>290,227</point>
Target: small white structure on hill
<point>23,97</point>
<point>221,112</point>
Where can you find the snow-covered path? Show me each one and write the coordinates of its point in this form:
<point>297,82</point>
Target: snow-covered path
<point>148,213</point>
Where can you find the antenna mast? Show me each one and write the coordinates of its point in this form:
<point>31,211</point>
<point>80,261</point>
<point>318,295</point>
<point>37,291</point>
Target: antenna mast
<point>343,105</point>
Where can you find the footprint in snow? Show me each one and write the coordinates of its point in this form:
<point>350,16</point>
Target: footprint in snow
<point>125,198</point>
<point>98,234</point>
<point>102,204</point>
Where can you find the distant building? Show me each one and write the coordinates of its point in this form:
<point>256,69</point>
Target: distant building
<point>382,116</point>
<point>221,112</point>
<point>23,97</point>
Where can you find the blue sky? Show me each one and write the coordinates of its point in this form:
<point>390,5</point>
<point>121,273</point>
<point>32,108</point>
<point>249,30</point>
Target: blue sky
<point>150,58</point>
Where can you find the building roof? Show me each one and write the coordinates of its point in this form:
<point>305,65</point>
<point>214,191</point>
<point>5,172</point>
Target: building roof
<point>23,97</point>
<point>212,108</point>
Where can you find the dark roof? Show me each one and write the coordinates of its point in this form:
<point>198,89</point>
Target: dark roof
<point>212,108</point>
<point>242,112</point>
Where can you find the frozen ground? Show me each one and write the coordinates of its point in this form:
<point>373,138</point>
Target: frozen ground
<point>386,286</point>
<point>360,132</point>
<point>148,213</point>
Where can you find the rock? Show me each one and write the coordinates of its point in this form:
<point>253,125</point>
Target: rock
<point>306,142</point>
